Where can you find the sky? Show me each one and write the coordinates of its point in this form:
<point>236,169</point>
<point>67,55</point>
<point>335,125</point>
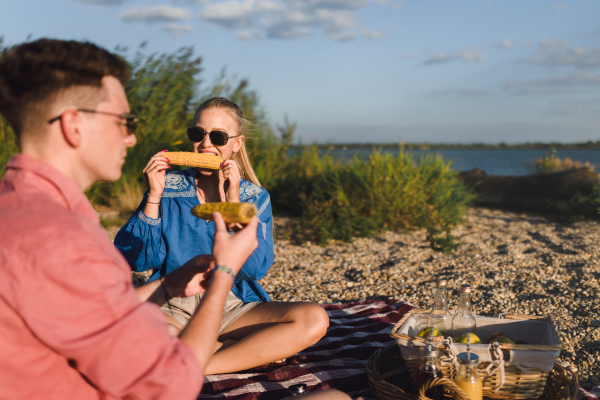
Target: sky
<point>368,71</point>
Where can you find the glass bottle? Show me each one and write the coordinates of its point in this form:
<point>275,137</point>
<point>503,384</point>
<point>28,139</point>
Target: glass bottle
<point>463,320</point>
<point>467,376</point>
<point>439,317</point>
<point>430,369</point>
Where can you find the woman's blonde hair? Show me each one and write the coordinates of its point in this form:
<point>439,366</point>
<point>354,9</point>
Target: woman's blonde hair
<point>237,114</point>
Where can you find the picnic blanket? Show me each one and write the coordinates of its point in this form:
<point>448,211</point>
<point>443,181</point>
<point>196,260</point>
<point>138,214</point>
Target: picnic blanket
<point>337,361</point>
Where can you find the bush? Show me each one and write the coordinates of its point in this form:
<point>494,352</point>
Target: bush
<point>343,200</point>
<point>332,199</point>
<point>549,164</point>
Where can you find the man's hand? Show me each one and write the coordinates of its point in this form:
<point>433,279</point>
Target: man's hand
<point>234,250</point>
<point>191,278</point>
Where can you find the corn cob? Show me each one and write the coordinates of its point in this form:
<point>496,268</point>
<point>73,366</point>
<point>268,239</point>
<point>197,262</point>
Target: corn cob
<point>197,160</point>
<point>231,212</point>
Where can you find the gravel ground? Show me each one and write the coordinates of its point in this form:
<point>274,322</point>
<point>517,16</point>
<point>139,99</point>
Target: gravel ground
<point>516,264</point>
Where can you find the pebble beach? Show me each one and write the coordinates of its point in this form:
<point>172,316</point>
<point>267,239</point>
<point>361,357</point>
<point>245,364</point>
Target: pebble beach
<point>515,263</point>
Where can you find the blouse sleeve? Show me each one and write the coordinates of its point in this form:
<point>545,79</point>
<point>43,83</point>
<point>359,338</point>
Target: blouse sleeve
<point>259,263</point>
<point>140,240</point>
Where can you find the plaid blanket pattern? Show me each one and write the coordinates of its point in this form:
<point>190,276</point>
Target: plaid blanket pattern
<point>592,394</point>
<point>337,361</point>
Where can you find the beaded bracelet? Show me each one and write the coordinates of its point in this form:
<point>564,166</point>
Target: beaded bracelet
<point>224,268</point>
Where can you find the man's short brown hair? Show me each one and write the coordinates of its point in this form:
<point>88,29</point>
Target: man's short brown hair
<point>33,74</point>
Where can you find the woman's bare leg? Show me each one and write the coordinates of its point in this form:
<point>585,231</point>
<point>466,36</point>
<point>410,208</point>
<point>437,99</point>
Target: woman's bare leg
<point>269,332</point>
<point>173,325</point>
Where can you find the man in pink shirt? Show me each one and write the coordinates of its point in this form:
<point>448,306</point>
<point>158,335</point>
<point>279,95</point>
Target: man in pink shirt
<point>71,324</point>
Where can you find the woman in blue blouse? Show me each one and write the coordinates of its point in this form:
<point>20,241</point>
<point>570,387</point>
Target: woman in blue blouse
<point>163,234</point>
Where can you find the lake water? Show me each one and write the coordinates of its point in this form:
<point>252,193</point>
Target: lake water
<point>492,161</point>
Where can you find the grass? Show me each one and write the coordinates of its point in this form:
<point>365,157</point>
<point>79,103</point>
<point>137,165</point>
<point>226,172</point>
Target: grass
<point>331,199</point>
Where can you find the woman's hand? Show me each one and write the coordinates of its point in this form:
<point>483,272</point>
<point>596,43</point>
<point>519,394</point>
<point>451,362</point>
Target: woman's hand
<point>231,173</point>
<point>191,278</point>
<point>154,173</point>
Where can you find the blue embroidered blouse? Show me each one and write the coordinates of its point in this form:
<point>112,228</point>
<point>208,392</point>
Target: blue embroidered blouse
<point>174,238</point>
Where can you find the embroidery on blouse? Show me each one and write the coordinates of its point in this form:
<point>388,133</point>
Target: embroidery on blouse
<point>148,220</point>
<point>264,226</point>
<point>249,190</point>
<point>179,180</point>
<point>176,181</point>
<point>263,207</point>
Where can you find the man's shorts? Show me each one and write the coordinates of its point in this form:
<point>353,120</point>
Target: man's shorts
<point>183,308</point>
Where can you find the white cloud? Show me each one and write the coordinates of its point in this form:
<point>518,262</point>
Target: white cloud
<point>554,54</point>
<point>177,29</point>
<point>371,34</point>
<point>160,13</point>
<point>558,7</point>
<point>438,59</point>
<point>504,44</point>
<point>248,35</point>
<point>560,84</point>
<point>287,19</point>
<point>470,54</point>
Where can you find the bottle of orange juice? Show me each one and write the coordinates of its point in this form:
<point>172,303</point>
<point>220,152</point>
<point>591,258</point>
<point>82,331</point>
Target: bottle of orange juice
<point>467,377</point>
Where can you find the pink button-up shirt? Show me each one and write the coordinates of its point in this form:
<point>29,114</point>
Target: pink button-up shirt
<point>71,324</point>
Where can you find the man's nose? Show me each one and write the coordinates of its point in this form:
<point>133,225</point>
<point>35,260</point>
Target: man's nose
<point>130,140</point>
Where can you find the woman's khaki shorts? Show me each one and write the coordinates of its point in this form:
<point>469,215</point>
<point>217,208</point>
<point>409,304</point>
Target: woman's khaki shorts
<point>183,308</point>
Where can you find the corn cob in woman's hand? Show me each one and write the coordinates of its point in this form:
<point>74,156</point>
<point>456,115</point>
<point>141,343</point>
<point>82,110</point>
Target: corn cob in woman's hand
<point>231,212</point>
<point>198,160</point>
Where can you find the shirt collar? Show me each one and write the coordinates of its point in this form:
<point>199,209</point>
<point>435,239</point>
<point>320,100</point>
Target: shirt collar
<point>72,195</point>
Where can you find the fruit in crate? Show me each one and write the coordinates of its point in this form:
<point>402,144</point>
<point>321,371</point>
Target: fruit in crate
<point>503,339</point>
<point>463,339</point>
<point>427,331</point>
<point>492,338</point>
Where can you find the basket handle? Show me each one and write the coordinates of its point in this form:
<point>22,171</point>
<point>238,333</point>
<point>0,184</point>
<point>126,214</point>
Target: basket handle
<point>449,384</point>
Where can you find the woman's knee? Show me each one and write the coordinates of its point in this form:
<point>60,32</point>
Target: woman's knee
<point>315,321</point>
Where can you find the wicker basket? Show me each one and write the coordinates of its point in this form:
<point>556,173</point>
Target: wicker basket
<point>390,380</point>
<point>517,384</point>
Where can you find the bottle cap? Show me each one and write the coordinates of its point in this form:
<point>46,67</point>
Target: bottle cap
<point>429,352</point>
<point>468,359</point>
<point>441,283</point>
<point>465,288</point>
<point>296,390</point>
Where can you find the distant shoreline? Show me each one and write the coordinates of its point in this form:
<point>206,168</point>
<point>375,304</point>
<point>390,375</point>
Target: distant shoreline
<point>475,146</point>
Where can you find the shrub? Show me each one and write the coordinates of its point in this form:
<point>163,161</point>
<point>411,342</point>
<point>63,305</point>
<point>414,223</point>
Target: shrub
<point>549,164</point>
<point>332,199</point>
<point>343,200</point>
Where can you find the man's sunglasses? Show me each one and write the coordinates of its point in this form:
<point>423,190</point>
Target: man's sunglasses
<point>218,138</point>
<point>130,119</point>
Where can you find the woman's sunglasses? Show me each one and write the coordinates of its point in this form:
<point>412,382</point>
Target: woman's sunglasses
<point>218,138</point>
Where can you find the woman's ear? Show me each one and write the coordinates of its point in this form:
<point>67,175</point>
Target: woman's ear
<point>238,144</point>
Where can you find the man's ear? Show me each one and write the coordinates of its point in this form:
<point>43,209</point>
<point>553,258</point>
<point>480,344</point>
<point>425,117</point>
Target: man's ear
<point>70,123</point>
